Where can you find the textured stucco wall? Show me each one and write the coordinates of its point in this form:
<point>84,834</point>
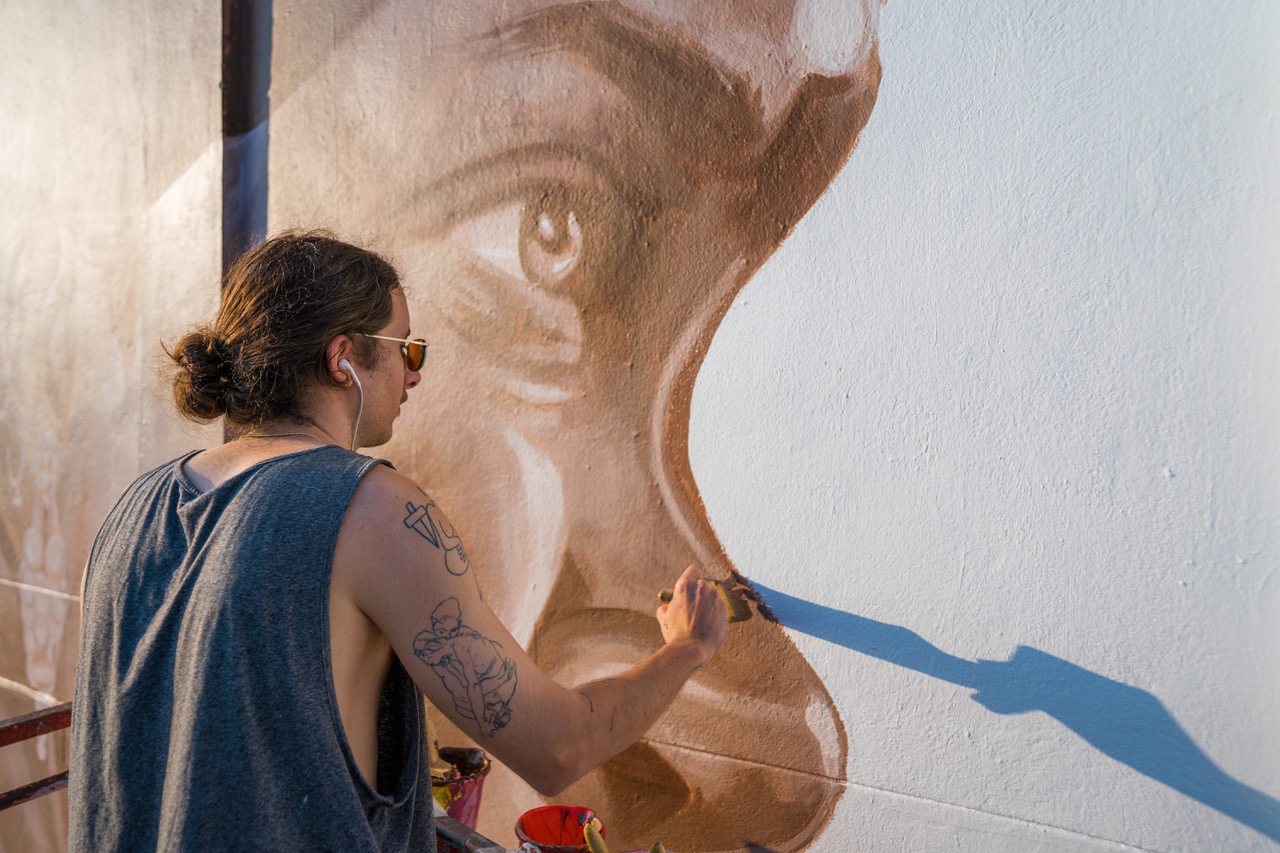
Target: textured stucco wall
<point>1001,418</point>
<point>994,430</point>
<point>110,206</point>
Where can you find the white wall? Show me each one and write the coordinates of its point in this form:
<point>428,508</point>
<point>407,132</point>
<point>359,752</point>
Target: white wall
<point>1015,382</point>
<point>110,219</point>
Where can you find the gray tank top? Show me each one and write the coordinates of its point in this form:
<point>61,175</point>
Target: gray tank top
<point>204,715</point>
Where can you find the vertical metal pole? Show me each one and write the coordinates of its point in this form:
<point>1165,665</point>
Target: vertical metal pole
<point>246,80</point>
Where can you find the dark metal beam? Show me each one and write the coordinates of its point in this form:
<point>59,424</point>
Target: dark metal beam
<point>246,82</point>
<point>26,793</point>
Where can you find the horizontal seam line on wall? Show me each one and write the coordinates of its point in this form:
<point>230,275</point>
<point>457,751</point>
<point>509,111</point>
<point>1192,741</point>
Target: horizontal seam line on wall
<point>997,815</point>
<point>56,593</point>
<point>708,752</point>
<point>914,797</point>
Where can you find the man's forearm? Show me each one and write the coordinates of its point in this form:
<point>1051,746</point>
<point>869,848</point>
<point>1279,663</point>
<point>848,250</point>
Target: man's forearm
<point>583,727</point>
<point>616,711</point>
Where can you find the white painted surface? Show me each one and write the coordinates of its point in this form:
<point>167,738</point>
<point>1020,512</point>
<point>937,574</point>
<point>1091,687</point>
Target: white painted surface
<point>1015,381</point>
<point>110,217</point>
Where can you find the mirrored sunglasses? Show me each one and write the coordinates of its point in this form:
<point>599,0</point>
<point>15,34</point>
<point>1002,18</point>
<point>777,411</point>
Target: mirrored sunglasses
<point>414,351</point>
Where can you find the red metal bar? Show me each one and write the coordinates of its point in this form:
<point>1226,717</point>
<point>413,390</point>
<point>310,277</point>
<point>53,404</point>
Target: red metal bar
<point>23,728</point>
<point>35,724</point>
<point>48,785</point>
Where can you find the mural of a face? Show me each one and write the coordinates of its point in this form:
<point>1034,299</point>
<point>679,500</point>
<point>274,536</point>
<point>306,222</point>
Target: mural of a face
<point>575,193</point>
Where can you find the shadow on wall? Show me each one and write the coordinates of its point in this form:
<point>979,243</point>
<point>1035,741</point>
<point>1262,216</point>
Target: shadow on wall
<point>1125,723</point>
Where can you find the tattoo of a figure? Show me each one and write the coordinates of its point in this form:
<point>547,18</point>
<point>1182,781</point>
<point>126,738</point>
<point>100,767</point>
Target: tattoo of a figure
<point>479,677</point>
<point>427,521</point>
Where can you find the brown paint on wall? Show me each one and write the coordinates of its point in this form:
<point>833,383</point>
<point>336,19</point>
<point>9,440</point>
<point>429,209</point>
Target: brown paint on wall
<point>576,197</point>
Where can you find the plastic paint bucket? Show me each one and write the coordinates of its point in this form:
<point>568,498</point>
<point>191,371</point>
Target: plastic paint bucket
<point>460,797</point>
<point>555,829</point>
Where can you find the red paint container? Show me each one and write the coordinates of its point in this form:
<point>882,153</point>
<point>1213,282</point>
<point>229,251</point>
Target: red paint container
<point>556,829</point>
<point>460,796</point>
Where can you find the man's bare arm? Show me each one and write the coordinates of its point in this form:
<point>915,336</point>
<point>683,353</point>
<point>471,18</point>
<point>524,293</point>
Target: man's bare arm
<point>405,568</point>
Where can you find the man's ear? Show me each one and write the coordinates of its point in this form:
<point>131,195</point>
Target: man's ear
<point>338,349</point>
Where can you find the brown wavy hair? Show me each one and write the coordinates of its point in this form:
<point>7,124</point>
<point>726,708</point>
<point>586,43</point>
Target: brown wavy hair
<point>282,302</point>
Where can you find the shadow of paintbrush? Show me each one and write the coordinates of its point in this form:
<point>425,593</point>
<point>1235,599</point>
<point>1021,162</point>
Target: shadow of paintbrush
<point>738,596</point>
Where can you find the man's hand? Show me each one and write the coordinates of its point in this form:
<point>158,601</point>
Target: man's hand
<point>696,616</point>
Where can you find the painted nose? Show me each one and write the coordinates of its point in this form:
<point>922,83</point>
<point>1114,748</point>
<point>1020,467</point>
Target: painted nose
<point>754,724</point>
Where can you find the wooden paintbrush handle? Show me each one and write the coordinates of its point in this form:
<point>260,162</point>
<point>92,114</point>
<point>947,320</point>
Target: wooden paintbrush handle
<point>594,842</point>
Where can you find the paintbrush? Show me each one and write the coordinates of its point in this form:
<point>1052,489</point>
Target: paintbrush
<point>594,842</point>
<point>738,594</point>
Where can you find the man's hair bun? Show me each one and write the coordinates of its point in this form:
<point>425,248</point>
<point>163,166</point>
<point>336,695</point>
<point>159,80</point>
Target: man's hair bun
<point>202,375</point>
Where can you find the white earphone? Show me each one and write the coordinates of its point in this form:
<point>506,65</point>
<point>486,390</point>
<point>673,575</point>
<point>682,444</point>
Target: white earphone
<point>346,365</point>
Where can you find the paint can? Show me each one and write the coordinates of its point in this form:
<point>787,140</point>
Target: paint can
<point>460,796</point>
<point>555,829</point>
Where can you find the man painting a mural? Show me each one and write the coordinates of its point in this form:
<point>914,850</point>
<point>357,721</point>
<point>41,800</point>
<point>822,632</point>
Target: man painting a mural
<point>252,613</point>
<point>987,418</point>
<point>576,192</point>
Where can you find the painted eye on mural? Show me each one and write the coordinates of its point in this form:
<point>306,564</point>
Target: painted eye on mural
<point>560,222</point>
<point>548,239</point>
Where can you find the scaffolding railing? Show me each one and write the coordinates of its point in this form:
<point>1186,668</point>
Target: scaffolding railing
<point>451,835</point>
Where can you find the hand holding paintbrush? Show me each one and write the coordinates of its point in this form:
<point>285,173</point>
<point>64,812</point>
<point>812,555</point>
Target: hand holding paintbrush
<point>694,615</point>
<point>738,595</point>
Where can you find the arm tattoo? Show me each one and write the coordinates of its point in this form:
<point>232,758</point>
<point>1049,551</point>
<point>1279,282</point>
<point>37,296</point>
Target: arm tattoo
<point>427,523</point>
<point>591,706</point>
<point>479,677</point>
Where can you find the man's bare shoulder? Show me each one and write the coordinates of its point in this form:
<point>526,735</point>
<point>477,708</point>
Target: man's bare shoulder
<point>394,537</point>
<point>381,498</point>
<point>391,514</point>
<point>381,487</point>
